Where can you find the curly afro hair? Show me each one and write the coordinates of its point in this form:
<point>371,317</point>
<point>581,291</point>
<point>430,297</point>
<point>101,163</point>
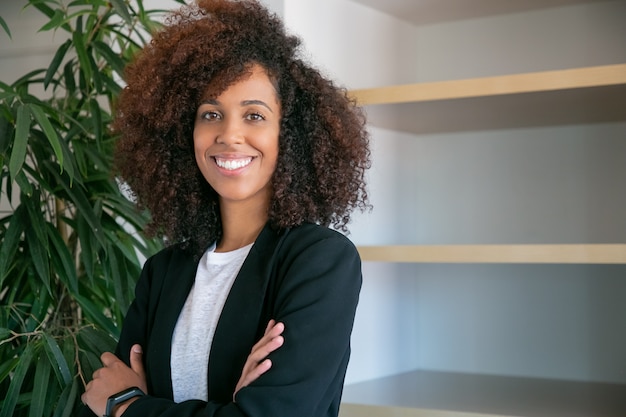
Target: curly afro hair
<point>323,142</point>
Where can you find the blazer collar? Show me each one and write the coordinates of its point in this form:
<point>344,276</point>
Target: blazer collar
<point>238,327</point>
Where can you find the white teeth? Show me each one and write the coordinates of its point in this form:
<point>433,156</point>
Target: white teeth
<point>232,164</point>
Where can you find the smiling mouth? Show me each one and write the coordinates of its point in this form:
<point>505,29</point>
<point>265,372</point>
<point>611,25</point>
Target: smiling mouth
<point>233,164</point>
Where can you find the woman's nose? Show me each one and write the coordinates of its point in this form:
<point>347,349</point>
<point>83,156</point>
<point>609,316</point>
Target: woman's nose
<point>231,133</point>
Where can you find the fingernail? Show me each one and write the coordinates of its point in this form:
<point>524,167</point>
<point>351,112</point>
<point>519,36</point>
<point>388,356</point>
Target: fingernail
<point>137,349</point>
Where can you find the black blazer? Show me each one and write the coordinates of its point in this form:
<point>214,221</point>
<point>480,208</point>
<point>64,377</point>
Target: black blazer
<point>308,277</point>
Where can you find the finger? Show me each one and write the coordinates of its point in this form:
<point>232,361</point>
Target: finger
<point>256,372</point>
<point>270,324</point>
<point>262,351</point>
<point>136,360</point>
<point>272,331</point>
<point>136,364</point>
<point>108,359</point>
<point>276,330</point>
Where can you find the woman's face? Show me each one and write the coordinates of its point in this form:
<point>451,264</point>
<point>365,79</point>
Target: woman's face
<point>235,139</point>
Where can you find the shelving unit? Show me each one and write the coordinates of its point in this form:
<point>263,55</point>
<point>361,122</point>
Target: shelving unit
<point>559,254</point>
<point>572,97</point>
<point>441,394</point>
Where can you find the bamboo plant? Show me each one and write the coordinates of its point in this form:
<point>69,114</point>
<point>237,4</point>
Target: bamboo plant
<point>71,247</point>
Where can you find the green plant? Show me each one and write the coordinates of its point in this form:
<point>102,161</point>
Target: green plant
<point>70,249</point>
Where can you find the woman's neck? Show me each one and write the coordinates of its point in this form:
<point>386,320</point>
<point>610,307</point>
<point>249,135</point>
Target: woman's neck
<point>241,226</point>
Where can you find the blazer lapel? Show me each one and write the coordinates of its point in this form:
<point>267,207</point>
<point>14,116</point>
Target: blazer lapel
<point>238,326</point>
<point>168,305</point>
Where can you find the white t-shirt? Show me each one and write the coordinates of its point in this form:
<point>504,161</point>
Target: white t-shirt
<point>193,334</point>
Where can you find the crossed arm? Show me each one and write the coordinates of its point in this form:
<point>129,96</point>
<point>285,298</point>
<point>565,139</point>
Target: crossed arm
<point>115,375</point>
<point>316,283</point>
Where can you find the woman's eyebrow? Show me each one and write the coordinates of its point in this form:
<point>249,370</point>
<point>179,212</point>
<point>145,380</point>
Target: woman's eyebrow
<point>210,101</point>
<point>215,102</point>
<point>258,103</point>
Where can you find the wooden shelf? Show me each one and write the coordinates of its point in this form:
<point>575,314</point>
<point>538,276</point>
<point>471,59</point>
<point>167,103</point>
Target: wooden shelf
<point>441,394</point>
<point>570,96</point>
<point>556,254</point>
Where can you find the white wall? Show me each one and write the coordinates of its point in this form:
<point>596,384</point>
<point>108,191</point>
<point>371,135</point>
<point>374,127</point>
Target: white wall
<point>556,184</point>
<point>556,38</point>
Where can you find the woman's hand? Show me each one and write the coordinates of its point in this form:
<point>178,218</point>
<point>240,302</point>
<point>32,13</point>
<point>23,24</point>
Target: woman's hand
<point>258,363</point>
<point>112,378</point>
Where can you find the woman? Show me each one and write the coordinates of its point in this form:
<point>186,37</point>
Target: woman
<point>244,155</point>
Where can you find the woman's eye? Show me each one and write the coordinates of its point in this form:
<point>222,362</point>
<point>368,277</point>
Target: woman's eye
<point>210,115</point>
<point>255,116</point>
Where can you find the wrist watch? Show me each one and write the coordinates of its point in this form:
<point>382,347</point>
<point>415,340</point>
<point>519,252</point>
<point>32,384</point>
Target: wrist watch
<point>120,397</point>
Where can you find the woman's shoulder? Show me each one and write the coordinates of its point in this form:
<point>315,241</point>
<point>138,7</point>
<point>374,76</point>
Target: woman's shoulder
<point>310,235</point>
<point>170,255</point>
<point>313,231</point>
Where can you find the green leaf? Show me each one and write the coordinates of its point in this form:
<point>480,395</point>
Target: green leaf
<point>39,257</point>
<point>90,361</point>
<point>122,9</point>
<point>4,333</point>
<point>27,78</point>
<point>47,10</point>
<point>66,400</point>
<point>42,7</point>
<point>96,118</point>
<point>123,244</point>
<point>113,267</point>
<point>68,77</point>
<point>56,61</point>
<point>97,316</point>
<point>7,368</point>
<point>6,95</point>
<point>20,144</point>
<point>95,74</point>
<point>11,241</point>
<point>5,27</point>
<point>121,207</point>
<point>40,305</point>
<point>62,260</point>
<point>78,37</point>
<point>61,369</point>
<point>97,341</point>
<point>71,400</point>
<point>6,133</point>
<point>25,185</point>
<point>40,387</point>
<point>55,21</point>
<point>8,406</point>
<point>87,243</point>
<point>50,132</point>
<point>69,165</point>
<point>112,59</point>
<point>36,220</point>
<point>114,88</point>
<point>79,198</point>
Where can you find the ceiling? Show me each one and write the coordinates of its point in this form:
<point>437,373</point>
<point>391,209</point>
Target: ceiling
<point>421,12</point>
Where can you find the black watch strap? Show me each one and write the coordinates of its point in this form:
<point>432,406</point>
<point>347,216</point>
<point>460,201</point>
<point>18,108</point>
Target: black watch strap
<point>120,397</point>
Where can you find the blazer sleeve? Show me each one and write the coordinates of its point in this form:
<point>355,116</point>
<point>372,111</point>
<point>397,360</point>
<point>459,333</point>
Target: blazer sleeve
<point>316,294</point>
<point>316,301</point>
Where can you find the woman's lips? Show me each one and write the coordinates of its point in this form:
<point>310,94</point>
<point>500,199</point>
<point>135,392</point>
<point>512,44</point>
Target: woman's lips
<point>232,164</point>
